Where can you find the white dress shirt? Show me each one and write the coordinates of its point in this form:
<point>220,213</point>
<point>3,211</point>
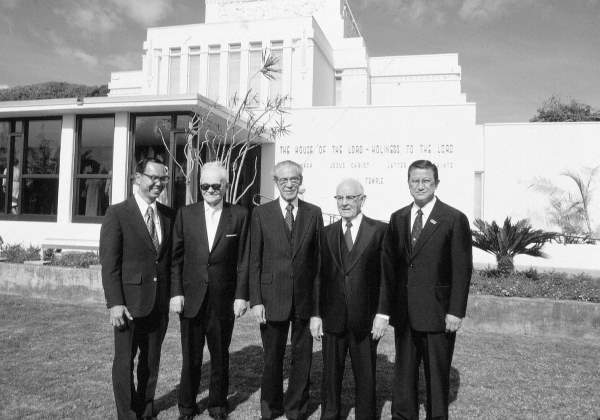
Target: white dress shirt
<point>355,226</point>
<point>212,216</point>
<point>283,204</point>
<point>143,206</point>
<point>426,209</point>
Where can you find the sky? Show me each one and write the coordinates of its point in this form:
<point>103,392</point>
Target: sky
<point>513,53</point>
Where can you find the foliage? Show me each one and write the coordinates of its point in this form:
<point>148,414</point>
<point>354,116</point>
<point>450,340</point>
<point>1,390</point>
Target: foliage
<point>554,109</point>
<point>534,284</point>
<point>510,240</point>
<point>571,211</point>
<point>18,253</point>
<point>230,141</point>
<point>51,90</point>
<point>75,259</point>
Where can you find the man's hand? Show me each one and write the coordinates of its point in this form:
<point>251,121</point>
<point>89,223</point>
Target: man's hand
<point>176,304</point>
<point>259,313</point>
<point>380,323</point>
<point>117,313</point>
<point>452,323</point>
<point>316,327</point>
<point>240,306</point>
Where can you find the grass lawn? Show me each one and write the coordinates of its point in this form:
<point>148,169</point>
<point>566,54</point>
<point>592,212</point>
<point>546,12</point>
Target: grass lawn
<point>56,361</point>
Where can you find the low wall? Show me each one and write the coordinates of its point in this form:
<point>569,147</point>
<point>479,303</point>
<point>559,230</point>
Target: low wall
<point>523,316</point>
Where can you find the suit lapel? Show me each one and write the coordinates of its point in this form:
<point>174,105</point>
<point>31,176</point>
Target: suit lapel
<point>165,228</point>
<point>430,227</point>
<point>363,238</point>
<point>334,244</point>
<point>302,219</point>
<point>405,229</point>
<point>224,221</point>
<point>138,222</point>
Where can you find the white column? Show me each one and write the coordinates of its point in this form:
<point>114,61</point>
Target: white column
<point>163,81</point>
<point>120,178</point>
<point>203,85</point>
<point>65,175</point>
<point>184,68</point>
<point>244,48</point>
<point>286,69</point>
<point>267,161</point>
<point>223,79</point>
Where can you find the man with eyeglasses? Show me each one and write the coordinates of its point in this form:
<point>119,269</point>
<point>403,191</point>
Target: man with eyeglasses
<point>283,265</point>
<point>346,301</point>
<point>427,264</point>
<point>209,287</point>
<point>135,253</point>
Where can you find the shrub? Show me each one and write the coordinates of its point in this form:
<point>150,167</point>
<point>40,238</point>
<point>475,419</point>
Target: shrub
<point>75,259</point>
<point>510,240</point>
<point>18,253</point>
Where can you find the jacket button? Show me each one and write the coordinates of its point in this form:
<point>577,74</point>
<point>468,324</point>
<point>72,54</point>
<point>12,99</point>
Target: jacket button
<point>154,279</point>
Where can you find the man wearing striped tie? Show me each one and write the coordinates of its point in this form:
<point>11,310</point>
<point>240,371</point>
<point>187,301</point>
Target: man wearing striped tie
<point>427,264</point>
<point>135,253</point>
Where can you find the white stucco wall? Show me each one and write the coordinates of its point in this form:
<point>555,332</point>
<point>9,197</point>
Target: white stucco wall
<point>517,156</point>
<point>376,145</point>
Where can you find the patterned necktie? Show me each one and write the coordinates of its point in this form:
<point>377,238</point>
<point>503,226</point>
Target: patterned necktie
<point>152,227</point>
<point>289,216</point>
<point>348,236</point>
<point>417,226</point>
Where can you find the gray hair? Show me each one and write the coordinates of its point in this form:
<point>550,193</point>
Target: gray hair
<point>217,167</point>
<point>284,163</point>
<point>353,181</point>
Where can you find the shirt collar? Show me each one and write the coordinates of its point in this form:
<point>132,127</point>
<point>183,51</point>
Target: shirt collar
<point>142,205</point>
<point>355,222</point>
<point>217,208</point>
<point>283,204</point>
<point>426,209</point>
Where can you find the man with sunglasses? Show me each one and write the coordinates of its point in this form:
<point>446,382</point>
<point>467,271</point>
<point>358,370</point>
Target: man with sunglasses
<point>346,301</point>
<point>209,287</point>
<point>283,265</point>
<point>135,253</point>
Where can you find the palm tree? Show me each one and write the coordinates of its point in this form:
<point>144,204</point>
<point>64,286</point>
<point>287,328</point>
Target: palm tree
<point>509,240</point>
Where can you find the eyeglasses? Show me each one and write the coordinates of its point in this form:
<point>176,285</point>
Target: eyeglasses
<point>206,187</point>
<point>154,178</point>
<point>295,180</point>
<point>347,197</point>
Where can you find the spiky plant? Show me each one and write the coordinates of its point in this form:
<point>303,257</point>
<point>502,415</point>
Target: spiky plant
<point>509,240</point>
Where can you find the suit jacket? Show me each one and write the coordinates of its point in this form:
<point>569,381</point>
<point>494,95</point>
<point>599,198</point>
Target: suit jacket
<point>425,282</point>
<point>222,272</point>
<point>346,296</point>
<point>134,273</point>
<point>282,271</point>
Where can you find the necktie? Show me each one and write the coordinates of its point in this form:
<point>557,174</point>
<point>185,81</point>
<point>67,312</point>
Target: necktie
<point>417,226</point>
<point>348,236</point>
<point>152,227</point>
<point>289,216</point>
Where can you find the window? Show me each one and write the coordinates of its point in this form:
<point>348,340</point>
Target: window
<point>29,162</point>
<point>174,70</point>
<point>275,84</point>
<point>254,76</point>
<point>193,85</point>
<point>93,171</point>
<point>338,87</point>
<point>214,68</point>
<point>157,64</point>
<point>233,73</point>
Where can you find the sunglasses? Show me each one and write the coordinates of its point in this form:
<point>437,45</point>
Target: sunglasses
<point>206,187</point>
<point>154,178</point>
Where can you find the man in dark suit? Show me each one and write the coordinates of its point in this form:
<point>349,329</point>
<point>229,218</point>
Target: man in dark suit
<point>427,265</point>
<point>135,253</point>
<point>346,299</point>
<point>283,265</point>
<point>209,285</point>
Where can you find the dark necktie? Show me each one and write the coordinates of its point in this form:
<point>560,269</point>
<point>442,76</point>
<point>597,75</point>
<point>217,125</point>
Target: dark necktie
<point>348,236</point>
<point>289,216</point>
<point>417,226</point>
<point>152,227</point>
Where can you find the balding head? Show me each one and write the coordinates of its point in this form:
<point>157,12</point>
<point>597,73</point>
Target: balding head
<point>350,196</point>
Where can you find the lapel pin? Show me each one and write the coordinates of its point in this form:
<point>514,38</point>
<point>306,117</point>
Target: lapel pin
<point>433,221</point>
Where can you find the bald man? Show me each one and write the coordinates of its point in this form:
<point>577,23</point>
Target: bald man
<point>346,299</point>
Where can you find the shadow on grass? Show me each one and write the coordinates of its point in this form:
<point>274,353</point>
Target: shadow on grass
<point>246,365</point>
